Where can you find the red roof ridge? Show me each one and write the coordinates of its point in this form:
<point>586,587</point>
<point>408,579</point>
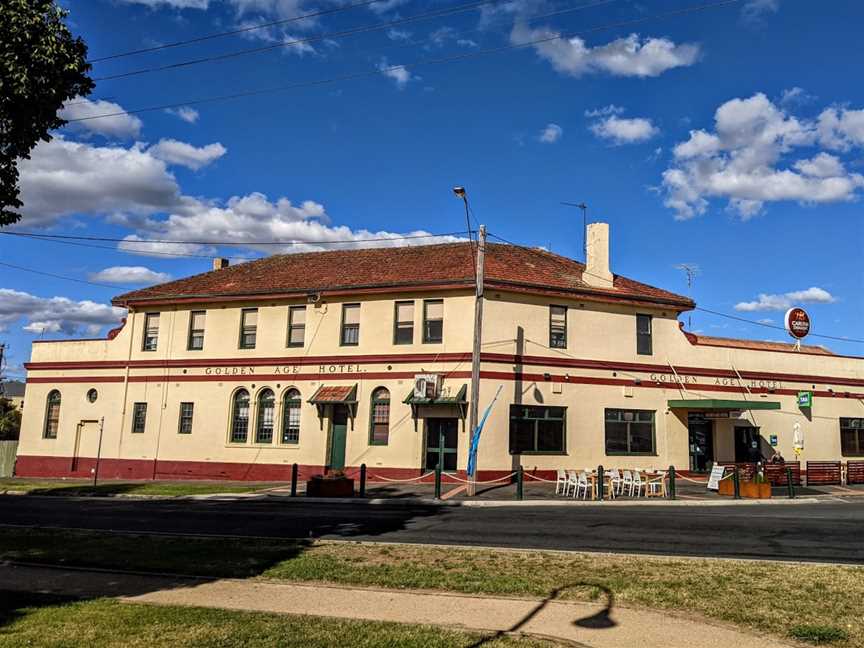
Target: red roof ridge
<point>755,345</point>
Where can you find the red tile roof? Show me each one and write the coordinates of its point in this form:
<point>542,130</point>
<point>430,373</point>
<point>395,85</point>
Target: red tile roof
<point>756,345</point>
<point>449,265</point>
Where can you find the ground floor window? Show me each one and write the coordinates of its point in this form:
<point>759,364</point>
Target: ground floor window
<point>139,417</point>
<point>240,417</point>
<point>852,437</point>
<point>291,414</point>
<point>537,430</point>
<point>186,410</point>
<point>630,432</point>
<point>266,416</point>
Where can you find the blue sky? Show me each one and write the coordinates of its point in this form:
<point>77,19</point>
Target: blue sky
<point>731,138</point>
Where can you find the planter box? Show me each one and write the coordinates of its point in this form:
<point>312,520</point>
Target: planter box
<point>749,489</point>
<point>319,486</point>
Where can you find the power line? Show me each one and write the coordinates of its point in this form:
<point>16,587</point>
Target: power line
<point>56,276</point>
<point>233,32</point>
<point>442,60</point>
<point>428,15</point>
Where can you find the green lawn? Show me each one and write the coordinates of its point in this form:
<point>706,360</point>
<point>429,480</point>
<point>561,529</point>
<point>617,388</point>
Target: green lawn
<point>39,620</point>
<point>819,604</point>
<point>86,488</point>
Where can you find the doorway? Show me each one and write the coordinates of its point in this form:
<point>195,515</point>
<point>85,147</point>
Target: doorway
<point>442,433</point>
<point>86,442</point>
<point>338,436</point>
<point>748,442</point>
<point>701,439</point>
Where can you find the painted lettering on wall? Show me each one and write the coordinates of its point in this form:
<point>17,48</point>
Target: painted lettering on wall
<point>686,379</point>
<point>229,371</point>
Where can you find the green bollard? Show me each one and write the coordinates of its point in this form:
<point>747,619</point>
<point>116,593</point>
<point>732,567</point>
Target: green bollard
<point>601,486</point>
<point>736,482</point>
<point>519,482</point>
<point>294,480</point>
<point>789,485</point>
<point>438,481</point>
<point>671,493</point>
<point>363,480</point>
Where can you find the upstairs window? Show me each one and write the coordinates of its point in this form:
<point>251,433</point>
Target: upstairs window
<point>266,416</point>
<point>403,330</point>
<point>291,417</point>
<point>557,327</point>
<point>380,432</point>
<point>52,415</point>
<point>248,327</point>
<point>350,335</point>
<point>630,432</point>
<point>296,326</point>
<point>644,345</point>
<point>433,321</point>
<point>196,330</point>
<point>186,410</point>
<point>139,418</point>
<point>151,332</point>
<point>852,437</point>
<point>537,430</point>
<point>240,417</point>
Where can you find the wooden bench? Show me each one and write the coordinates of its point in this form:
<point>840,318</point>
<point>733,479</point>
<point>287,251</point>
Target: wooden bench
<point>746,471</point>
<point>776,473</point>
<point>823,473</point>
<point>855,472</point>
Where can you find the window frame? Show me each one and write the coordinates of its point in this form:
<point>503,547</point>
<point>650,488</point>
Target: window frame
<point>144,341</point>
<point>292,326</point>
<point>426,321</point>
<point>232,421</point>
<point>194,331</point>
<point>342,328</point>
<point>260,419</point>
<point>551,327</point>
<point>547,409</point>
<point>139,407</point>
<point>244,327</point>
<point>48,408</point>
<point>649,335</point>
<point>183,418</point>
<point>397,322</point>
<point>373,401</point>
<point>288,404</point>
<point>859,433</point>
<point>628,452</point>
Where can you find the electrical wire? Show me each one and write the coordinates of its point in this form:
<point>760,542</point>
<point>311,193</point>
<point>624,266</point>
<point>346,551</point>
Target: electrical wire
<point>422,62</point>
<point>56,276</point>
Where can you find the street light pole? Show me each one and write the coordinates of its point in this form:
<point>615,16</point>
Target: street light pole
<point>475,351</point>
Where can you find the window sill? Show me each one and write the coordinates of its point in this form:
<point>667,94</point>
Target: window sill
<point>632,454</point>
<point>557,453</point>
<point>294,346</point>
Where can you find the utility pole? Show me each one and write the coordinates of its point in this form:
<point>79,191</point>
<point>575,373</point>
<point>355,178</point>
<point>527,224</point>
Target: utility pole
<point>2,351</point>
<point>475,352</point>
<point>692,270</point>
<point>584,209</point>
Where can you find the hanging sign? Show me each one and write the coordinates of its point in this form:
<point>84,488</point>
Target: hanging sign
<point>797,322</point>
<point>805,399</point>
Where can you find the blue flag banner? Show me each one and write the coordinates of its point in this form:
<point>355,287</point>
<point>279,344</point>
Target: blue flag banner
<point>475,437</point>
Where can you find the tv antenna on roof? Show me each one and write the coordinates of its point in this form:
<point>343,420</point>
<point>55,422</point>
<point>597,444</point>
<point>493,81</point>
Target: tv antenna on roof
<point>691,269</point>
<point>584,209</point>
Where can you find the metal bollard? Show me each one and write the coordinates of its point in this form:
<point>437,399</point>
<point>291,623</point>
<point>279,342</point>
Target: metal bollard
<point>294,480</point>
<point>789,485</point>
<point>671,492</point>
<point>363,480</point>
<point>519,482</point>
<point>736,483</point>
<point>438,481</point>
<point>600,483</point>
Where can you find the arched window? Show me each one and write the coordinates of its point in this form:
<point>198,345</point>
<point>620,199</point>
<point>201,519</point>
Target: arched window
<point>240,417</point>
<point>291,417</point>
<point>380,432</point>
<point>52,414</point>
<point>266,414</point>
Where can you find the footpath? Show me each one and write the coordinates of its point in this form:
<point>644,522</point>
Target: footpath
<point>601,625</point>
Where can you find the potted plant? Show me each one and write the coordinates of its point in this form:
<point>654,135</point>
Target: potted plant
<point>758,488</point>
<point>333,484</point>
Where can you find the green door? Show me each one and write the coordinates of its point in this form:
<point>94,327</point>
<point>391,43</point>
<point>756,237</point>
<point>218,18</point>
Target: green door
<point>339,431</point>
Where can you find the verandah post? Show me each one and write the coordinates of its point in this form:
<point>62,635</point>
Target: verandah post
<point>671,493</point>
<point>363,480</point>
<point>519,482</point>
<point>600,485</point>
<point>294,480</point>
<point>736,482</point>
<point>438,481</point>
<point>789,485</point>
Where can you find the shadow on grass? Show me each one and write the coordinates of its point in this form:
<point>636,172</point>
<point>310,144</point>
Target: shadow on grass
<point>88,490</point>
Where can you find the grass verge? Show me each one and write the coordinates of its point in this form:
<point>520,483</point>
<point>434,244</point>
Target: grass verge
<point>39,620</point>
<point>764,596</point>
<point>87,489</point>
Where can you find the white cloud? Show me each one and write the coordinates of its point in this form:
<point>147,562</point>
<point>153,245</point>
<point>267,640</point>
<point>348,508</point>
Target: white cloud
<point>551,134</point>
<point>55,314</point>
<point>605,111</point>
<point>398,34</point>
<point>130,275</point>
<point>621,130</point>
<point>117,126</point>
<point>628,56</point>
<point>399,73</point>
<point>174,4</point>
<point>466,42</point>
<point>795,96</point>
<point>175,152</point>
<point>746,159</point>
<point>187,114</point>
<point>754,10</point>
<point>782,302</point>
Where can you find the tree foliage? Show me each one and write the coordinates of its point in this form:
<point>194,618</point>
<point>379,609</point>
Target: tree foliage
<point>10,420</point>
<point>41,66</point>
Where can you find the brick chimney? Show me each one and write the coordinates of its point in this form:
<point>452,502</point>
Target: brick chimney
<point>597,273</point>
<point>219,264</point>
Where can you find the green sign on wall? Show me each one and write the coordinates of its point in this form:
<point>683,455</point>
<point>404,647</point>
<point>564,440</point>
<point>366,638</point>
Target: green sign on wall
<point>805,399</point>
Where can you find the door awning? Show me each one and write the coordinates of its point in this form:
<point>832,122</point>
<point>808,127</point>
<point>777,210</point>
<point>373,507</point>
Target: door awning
<point>335,395</point>
<point>722,404</point>
<point>460,400</point>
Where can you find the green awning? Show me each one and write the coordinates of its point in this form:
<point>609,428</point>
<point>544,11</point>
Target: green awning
<point>720,404</point>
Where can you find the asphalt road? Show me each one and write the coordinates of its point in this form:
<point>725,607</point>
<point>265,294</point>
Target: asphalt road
<point>827,532</point>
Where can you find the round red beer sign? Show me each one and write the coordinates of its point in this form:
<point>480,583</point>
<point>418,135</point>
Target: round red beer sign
<point>797,322</point>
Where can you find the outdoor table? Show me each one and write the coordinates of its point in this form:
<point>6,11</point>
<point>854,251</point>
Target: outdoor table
<point>652,476</point>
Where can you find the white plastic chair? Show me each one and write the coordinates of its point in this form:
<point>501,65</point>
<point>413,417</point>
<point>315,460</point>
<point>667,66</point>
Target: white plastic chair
<point>626,483</point>
<point>572,481</point>
<point>615,481</point>
<point>561,481</point>
<point>637,484</point>
<point>582,484</point>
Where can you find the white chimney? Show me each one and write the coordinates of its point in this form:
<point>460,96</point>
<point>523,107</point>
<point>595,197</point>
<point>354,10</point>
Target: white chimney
<point>597,271</point>
<point>219,264</point>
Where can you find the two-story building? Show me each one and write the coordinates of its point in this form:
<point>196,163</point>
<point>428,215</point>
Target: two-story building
<point>240,372</point>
